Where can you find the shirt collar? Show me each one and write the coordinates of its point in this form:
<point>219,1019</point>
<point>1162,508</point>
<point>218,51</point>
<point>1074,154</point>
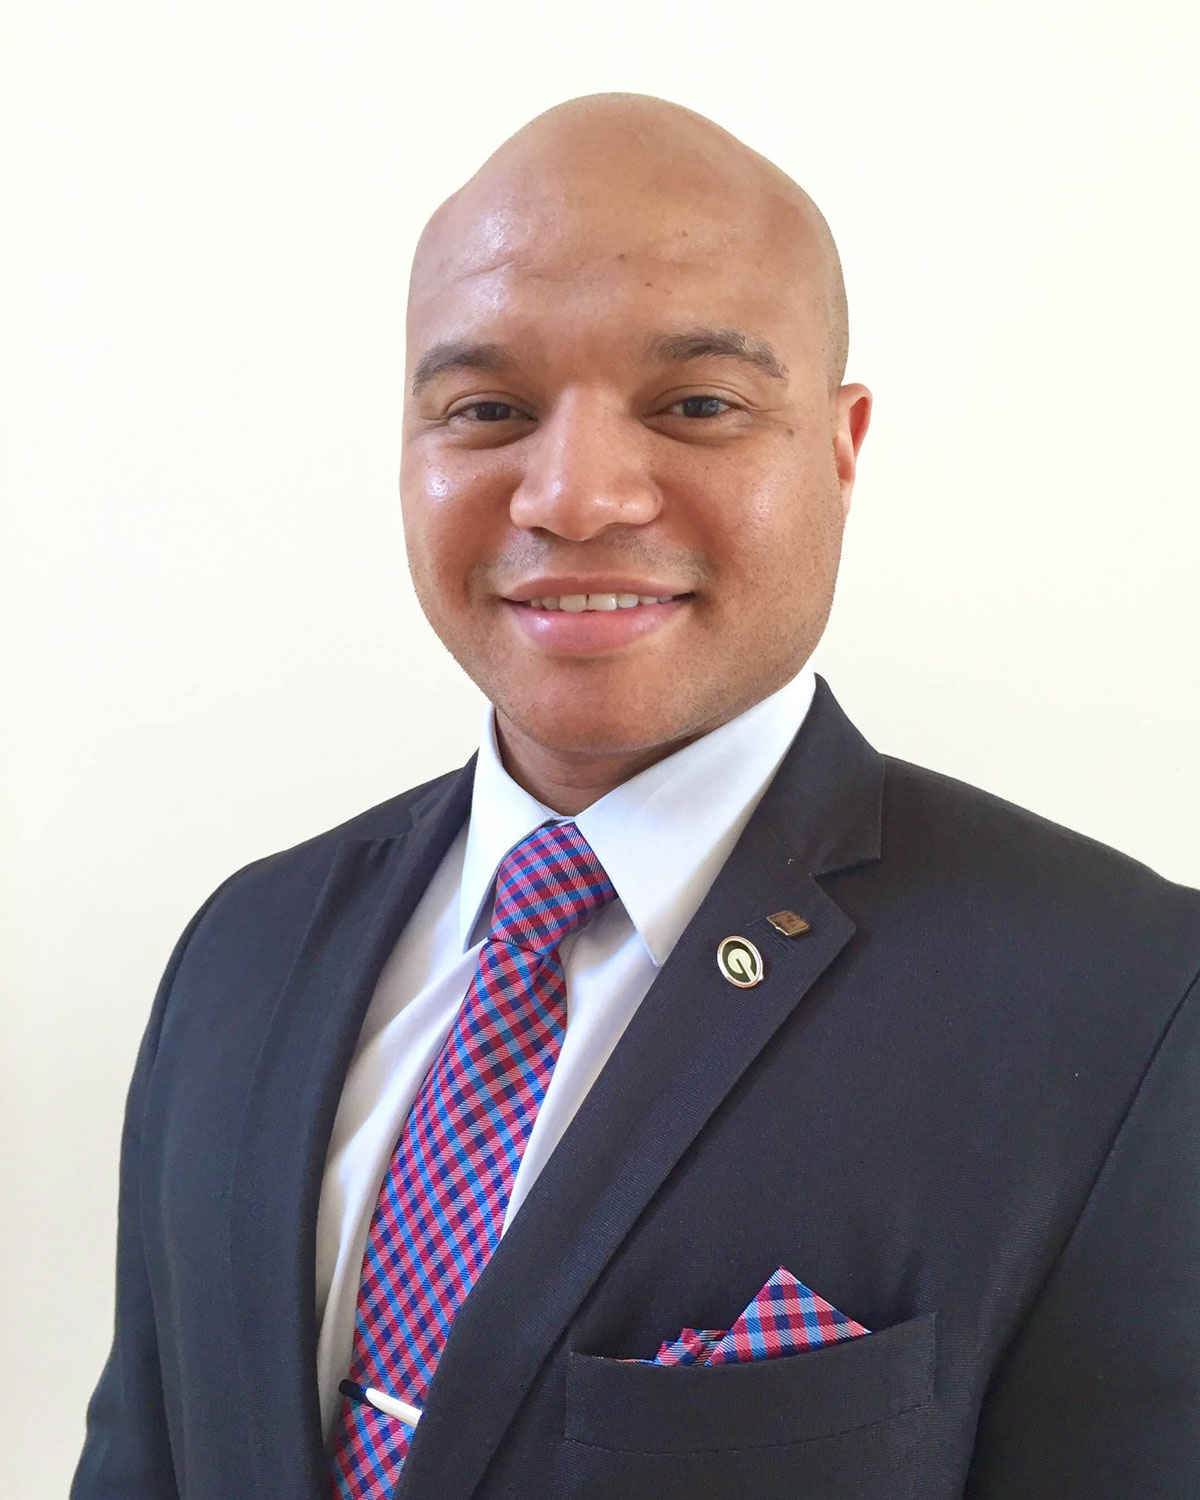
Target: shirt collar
<point>660,855</point>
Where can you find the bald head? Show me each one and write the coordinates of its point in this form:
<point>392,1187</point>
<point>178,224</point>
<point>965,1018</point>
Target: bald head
<point>623,164</point>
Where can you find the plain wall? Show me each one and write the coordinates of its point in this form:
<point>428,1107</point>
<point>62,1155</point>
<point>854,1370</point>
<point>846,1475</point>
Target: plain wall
<point>211,648</point>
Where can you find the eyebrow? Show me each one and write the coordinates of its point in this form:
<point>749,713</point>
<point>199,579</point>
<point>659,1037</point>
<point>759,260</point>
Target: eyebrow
<point>457,354</point>
<point>722,343</point>
<point>668,348</point>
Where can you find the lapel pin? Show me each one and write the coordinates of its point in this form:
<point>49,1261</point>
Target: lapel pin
<point>790,923</point>
<point>740,962</point>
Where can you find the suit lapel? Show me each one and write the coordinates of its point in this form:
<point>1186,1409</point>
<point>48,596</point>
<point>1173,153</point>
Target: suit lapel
<point>691,1039</point>
<point>367,897</point>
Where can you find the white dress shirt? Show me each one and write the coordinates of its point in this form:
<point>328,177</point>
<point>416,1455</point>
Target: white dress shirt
<point>662,837</point>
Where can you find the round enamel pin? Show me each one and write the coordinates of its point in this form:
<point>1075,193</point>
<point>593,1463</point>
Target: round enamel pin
<point>740,962</point>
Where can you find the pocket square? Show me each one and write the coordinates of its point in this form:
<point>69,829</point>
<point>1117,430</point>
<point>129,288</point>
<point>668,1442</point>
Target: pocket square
<point>784,1317</point>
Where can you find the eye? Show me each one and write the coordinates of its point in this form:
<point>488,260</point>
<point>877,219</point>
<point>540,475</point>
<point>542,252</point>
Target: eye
<point>489,411</point>
<point>705,401</point>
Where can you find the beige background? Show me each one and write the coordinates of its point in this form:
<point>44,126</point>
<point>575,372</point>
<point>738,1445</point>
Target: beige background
<point>211,650</point>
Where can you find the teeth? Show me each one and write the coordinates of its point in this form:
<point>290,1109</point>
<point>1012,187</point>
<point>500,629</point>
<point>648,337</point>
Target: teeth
<point>577,603</point>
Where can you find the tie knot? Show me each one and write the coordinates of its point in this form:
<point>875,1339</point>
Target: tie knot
<point>546,887</point>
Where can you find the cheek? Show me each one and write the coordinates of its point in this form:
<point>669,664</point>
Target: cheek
<point>426,494</point>
<point>448,521</point>
<point>779,536</point>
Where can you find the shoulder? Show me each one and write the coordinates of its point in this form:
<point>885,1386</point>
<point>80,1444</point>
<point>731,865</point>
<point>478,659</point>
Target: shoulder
<point>994,865</point>
<point>277,890</point>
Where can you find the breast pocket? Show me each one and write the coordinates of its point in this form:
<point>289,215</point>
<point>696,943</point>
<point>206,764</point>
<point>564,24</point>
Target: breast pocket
<point>843,1417</point>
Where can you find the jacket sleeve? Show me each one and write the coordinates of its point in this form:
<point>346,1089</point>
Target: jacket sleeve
<point>1099,1397</point>
<point>127,1450</point>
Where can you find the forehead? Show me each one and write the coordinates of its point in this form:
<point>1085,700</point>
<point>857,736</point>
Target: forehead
<point>568,263</point>
<point>555,232</point>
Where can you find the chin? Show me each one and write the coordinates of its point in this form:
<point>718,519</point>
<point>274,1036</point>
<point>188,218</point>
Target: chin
<point>601,727</point>
<point>591,737</point>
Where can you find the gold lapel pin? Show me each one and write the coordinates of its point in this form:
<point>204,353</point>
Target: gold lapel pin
<point>790,923</point>
<point>740,962</point>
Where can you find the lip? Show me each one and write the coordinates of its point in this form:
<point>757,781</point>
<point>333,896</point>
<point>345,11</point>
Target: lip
<point>594,631</point>
<point>555,585</point>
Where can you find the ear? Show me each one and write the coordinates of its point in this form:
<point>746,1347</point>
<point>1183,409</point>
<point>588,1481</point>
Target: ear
<point>851,418</point>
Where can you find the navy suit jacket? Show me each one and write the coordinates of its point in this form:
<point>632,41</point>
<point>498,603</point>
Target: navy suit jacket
<point>962,1107</point>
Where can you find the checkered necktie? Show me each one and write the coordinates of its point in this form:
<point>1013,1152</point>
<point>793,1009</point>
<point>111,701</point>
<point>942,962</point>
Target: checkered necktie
<point>441,1207</point>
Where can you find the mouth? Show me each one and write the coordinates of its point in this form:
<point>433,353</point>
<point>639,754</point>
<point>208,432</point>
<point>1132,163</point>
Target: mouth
<point>578,604</point>
<point>595,623</point>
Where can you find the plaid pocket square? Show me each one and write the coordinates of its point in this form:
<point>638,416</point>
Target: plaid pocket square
<point>784,1318</point>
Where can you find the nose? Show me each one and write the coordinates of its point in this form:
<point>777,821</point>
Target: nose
<point>588,467</point>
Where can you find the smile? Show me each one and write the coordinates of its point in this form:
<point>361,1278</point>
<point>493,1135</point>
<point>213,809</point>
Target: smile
<point>578,603</point>
<point>592,624</point>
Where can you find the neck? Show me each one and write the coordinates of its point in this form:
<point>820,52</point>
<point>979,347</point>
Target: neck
<point>566,782</point>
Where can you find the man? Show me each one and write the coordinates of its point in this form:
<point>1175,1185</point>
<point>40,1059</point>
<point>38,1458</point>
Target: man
<point>682,1098</point>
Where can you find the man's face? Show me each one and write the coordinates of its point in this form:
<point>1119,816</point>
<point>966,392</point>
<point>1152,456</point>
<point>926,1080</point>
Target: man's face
<point>588,456</point>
